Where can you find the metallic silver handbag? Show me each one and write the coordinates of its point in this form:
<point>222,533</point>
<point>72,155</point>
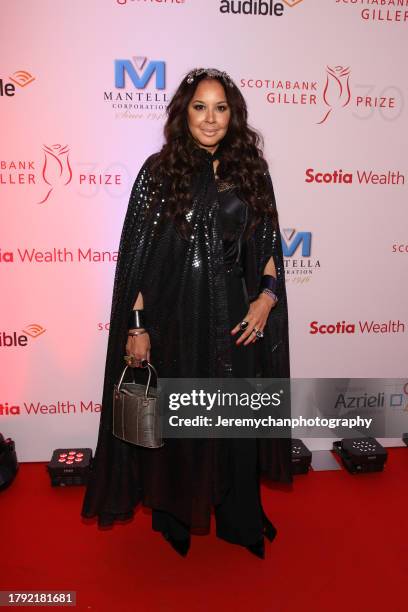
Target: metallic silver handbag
<point>136,414</point>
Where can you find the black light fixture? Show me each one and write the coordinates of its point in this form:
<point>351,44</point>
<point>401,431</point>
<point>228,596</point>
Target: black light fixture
<point>70,466</point>
<point>361,455</point>
<point>8,462</point>
<point>301,457</point>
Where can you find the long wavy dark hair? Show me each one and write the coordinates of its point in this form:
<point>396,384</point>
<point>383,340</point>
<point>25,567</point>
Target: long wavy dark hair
<point>241,160</point>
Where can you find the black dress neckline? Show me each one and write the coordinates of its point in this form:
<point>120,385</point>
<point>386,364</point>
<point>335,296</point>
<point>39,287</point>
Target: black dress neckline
<point>207,155</point>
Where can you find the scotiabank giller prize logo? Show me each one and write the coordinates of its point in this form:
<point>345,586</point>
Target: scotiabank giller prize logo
<point>140,89</point>
<point>383,11</point>
<point>333,95</point>
<point>54,174</point>
<point>336,93</point>
<point>56,168</point>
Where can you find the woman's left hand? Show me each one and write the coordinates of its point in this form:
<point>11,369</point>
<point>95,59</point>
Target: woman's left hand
<point>257,315</point>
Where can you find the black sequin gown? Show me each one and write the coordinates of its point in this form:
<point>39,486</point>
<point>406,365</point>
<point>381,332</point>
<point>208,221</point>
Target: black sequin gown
<point>239,516</point>
<point>191,315</point>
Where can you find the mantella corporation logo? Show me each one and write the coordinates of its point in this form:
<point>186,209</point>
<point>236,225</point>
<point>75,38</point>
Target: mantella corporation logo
<point>297,252</point>
<point>140,89</point>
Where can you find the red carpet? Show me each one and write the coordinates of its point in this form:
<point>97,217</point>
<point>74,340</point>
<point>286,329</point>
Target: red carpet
<point>342,544</point>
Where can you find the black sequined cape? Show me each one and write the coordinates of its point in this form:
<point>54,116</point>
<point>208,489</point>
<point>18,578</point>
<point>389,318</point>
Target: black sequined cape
<point>184,294</point>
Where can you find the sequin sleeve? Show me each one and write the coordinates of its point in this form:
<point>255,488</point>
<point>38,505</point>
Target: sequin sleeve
<point>277,327</point>
<point>134,231</point>
<point>270,244</point>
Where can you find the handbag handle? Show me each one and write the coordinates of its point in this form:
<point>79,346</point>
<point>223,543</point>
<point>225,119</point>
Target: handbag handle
<point>150,368</point>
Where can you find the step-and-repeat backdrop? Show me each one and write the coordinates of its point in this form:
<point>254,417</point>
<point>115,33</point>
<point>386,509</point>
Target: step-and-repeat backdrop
<point>83,92</point>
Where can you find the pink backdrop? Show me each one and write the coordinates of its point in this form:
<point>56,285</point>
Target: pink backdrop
<point>326,84</point>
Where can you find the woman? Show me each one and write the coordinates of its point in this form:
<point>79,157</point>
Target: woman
<point>199,291</point>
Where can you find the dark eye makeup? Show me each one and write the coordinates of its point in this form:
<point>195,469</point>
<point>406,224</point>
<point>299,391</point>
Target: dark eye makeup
<point>221,107</point>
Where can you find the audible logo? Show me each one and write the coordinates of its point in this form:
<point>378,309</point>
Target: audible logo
<point>252,7</point>
<point>34,330</point>
<point>16,339</point>
<point>21,78</point>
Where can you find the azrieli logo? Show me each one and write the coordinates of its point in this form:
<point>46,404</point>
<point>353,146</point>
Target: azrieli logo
<point>20,78</point>
<point>139,72</point>
<point>14,338</point>
<point>256,7</point>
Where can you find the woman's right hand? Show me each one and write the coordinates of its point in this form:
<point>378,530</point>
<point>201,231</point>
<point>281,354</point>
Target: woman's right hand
<point>139,347</point>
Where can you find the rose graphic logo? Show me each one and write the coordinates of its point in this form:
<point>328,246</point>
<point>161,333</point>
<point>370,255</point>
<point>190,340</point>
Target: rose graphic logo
<point>336,92</point>
<point>56,169</point>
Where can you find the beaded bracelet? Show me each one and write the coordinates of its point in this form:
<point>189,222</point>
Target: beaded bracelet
<point>270,293</point>
<point>268,286</point>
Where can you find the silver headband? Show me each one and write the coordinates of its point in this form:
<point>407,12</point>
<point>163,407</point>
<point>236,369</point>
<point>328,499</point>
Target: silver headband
<point>211,72</point>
